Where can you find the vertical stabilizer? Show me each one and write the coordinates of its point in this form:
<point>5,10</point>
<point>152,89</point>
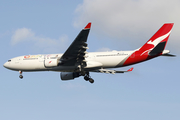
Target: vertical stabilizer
<point>153,47</point>
<point>158,41</point>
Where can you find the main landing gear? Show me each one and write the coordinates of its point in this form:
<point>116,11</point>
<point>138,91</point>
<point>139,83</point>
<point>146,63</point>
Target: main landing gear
<point>88,78</point>
<point>20,76</point>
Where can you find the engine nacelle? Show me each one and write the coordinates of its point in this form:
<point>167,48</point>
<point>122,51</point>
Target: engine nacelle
<point>69,75</point>
<point>51,62</point>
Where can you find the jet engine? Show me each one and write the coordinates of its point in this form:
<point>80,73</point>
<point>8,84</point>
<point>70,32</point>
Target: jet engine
<point>69,75</point>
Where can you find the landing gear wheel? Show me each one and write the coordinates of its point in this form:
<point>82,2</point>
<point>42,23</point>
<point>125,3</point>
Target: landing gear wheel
<point>91,80</point>
<point>88,78</point>
<point>20,76</point>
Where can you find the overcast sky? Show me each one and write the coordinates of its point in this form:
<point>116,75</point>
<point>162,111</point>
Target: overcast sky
<point>150,91</point>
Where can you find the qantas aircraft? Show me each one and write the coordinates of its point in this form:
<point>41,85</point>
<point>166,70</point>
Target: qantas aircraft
<point>77,62</point>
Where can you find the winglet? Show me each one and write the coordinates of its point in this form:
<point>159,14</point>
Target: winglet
<point>88,26</point>
<point>130,69</point>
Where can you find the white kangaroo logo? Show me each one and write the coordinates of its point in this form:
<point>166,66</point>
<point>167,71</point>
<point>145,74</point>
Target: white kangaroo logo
<point>156,41</point>
<point>159,39</point>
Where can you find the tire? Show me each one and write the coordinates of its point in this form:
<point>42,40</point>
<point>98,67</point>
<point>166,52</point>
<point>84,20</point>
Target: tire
<point>91,80</point>
<point>21,76</point>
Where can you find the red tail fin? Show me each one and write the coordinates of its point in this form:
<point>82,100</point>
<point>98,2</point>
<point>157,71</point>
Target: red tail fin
<point>160,36</point>
<point>153,47</point>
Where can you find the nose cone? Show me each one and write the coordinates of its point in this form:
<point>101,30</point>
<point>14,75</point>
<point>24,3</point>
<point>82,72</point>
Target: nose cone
<point>6,65</point>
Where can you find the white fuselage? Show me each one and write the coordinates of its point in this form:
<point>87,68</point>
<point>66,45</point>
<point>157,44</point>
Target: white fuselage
<point>41,62</point>
<point>77,62</point>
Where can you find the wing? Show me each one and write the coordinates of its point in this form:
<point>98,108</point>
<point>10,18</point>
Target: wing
<point>111,71</point>
<point>75,54</point>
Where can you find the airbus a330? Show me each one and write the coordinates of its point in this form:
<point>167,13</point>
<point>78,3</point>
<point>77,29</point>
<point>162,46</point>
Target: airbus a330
<point>76,61</point>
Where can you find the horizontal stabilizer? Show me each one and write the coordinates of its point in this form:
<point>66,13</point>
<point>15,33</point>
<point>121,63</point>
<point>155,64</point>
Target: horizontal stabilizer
<point>168,55</point>
<point>111,71</point>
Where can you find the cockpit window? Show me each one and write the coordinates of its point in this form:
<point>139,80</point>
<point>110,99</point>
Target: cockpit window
<point>9,60</point>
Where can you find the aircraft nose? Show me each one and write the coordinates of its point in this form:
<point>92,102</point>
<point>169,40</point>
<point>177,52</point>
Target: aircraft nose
<point>5,65</point>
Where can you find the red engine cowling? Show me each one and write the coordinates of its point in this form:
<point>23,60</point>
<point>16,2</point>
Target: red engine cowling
<point>69,75</point>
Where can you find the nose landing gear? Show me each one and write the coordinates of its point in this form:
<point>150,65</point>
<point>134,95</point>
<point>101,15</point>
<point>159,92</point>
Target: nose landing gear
<point>20,76</point>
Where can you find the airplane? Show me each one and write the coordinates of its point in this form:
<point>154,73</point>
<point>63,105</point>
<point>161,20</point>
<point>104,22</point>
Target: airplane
<point>76,61</point>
